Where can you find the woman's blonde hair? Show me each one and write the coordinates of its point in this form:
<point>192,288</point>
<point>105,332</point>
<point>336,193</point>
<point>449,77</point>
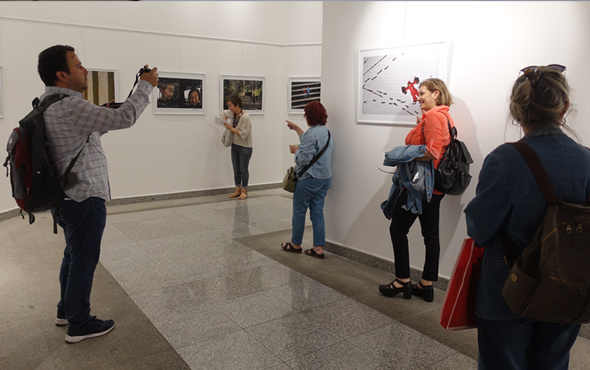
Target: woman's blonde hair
<point>539,97</point>
<point>436,84</point>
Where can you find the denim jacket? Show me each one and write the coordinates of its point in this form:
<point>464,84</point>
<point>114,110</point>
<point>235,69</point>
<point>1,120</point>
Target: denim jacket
<point>508,199</point>
<point>311,142</point>
<point>416,176</point>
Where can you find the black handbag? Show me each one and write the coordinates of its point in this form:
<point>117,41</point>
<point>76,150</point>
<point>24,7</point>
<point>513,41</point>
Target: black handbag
<point>291,177</point>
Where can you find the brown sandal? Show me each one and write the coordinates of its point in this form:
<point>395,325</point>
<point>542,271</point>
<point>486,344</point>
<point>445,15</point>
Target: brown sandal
<point>288,247</point>
<point>313,253</point>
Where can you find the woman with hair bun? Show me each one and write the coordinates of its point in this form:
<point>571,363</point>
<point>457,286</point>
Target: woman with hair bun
<point>313,185</point>
<point>509,205</point>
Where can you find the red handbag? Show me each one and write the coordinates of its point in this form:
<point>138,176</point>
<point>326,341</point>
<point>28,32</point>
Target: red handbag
<point>458,308</point>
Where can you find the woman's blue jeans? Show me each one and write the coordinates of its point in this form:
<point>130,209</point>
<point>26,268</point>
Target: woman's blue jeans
<point>310,193</point>
<point>83,225</point>
<point>524,344</point>
<point>240,160</point>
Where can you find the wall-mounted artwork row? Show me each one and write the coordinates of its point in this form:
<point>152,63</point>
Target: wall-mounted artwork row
<point>303,90</point>
<point>389,80</point>
<point>179,93</point>
<point>249,89</point>
<point>102,86</point>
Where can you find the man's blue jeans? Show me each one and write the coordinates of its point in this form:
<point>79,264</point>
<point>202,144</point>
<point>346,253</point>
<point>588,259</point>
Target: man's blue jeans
<point>310,193</point>
<point>83,225</point>
<point>523,344</point>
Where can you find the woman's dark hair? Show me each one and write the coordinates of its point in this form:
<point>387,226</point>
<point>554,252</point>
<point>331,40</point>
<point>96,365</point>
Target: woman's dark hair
<point>51,61</point>
<point>315,113</point>
<point>543,101</point>
<point>235,100</point>
<point>198,93</point>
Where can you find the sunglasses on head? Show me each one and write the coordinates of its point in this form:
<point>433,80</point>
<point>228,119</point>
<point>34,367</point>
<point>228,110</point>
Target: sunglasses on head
<point>533,75</point>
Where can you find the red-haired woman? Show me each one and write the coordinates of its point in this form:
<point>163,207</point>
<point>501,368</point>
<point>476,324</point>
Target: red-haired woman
<point>313,185</point>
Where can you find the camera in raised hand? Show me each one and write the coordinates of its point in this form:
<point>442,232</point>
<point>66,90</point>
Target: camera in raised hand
<point>142,70</point>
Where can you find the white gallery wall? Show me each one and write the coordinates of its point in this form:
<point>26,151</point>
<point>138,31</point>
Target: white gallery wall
<point>490,43</point>
<point>169,153</point>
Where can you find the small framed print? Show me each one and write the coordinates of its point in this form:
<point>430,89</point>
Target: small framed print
<point>102,86</point>
<point>303,90</point>
<point>179,93</point>
<point>249,89</point>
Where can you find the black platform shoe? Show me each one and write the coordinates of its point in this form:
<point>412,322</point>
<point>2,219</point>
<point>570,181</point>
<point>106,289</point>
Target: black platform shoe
<point>391,290</point>
<point>426,292</point>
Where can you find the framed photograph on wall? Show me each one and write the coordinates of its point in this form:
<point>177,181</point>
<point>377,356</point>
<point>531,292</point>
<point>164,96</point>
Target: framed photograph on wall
<point>249,89</point>
<point>102,86</point>
<point>303,90</point>
<point>389,79</point>
<point>179,93</point>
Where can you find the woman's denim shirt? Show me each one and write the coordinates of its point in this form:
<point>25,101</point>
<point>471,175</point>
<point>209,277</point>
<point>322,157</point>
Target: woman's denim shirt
<point>508,199</point>
<point>311,142</point>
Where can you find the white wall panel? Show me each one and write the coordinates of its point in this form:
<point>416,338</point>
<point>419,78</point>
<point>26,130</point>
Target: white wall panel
<point>491,42</point>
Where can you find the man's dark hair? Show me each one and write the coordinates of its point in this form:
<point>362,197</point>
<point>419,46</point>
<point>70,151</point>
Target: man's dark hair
<point>53,60</point>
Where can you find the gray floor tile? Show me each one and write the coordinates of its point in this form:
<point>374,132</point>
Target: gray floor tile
<point>401,347</point>
<point>454,362</point>
<point>348,318</point>
<point>340,356</point>
<point>254,308</point>
<point>157,228</point>
<point>112,236</point>
<point>197,325</point>
<point>237,350</point>
<point>243,282</point>
<point>305,294</point>
<point>141,273</point>
<point>580,355</point>
<point>293,336</point>
<point>280,366</point>
<point>203,280</point>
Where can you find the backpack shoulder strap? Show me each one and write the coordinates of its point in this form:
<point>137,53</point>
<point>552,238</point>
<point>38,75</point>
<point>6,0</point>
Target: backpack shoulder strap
<point>538,170</point>
<point>532,160</point>
<point>452,130</point>
<point>47,101</point>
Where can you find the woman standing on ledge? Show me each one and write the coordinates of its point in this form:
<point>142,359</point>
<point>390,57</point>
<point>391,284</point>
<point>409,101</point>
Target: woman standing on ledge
<point>241,149</point>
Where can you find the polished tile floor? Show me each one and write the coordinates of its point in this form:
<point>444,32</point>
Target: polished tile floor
<point>201,283</point>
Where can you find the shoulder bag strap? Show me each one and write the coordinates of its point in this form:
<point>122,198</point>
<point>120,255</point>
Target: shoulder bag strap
<point>532,160</point>
<point>538,170</point>
<point>315,159</point>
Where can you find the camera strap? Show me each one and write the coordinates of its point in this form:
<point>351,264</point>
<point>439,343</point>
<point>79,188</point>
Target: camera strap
<point>135,84</point>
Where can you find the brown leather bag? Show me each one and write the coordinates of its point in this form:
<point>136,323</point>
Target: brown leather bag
<point>550,280</point>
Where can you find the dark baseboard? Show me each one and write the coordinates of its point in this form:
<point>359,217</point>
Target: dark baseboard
<point>158,197</point>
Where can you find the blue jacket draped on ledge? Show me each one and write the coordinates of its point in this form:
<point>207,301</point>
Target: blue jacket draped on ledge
<point>416,176</point>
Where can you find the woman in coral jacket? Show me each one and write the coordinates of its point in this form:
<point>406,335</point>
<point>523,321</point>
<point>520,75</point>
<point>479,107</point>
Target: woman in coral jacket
<point>432,130</point>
